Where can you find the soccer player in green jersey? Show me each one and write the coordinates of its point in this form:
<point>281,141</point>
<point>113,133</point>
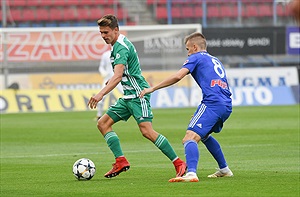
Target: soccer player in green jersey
<point>127,70</point>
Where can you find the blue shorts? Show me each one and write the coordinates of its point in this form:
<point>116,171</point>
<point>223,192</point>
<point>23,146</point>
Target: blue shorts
<point>209,119</point>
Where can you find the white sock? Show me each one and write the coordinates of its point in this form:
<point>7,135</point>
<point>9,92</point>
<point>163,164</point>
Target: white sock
<point>225,170</point>
<point>191,174</point>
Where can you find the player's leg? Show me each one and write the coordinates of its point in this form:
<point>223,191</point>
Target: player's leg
<point>141,111</point>
<point>213,146</point>
<point>215,149</point>
<point>190,142</point>
<point>200,124</point>
<point>105,127</point>
<point>162,143</point>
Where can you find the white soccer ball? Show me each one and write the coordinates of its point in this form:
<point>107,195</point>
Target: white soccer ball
<point>84,169</point>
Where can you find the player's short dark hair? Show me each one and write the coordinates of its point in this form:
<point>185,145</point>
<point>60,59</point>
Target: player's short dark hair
<point>198,38</point>
<point>108,20</point>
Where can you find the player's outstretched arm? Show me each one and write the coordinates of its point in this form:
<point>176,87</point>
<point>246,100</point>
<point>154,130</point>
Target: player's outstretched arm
<point>167,82</point>
<point>112,83</point>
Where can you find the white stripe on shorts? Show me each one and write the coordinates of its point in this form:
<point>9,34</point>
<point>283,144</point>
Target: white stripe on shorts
<point>144,107</point>
<point>198,115</point>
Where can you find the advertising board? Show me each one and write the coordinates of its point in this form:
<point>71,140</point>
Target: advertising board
<point>245,41</point>
<point>70,92</point>
<point>293,40</point>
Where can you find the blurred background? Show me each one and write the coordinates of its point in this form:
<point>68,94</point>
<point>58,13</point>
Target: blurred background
<point>55,45</point>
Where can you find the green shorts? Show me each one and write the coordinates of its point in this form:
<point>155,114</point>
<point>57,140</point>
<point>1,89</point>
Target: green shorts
<point>139,108</point>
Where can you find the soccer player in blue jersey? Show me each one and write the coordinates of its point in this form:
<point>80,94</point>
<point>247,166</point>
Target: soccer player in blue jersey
<point>127,71</point>
<point>213,111</point>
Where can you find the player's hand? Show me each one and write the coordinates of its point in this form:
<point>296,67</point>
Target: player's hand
<point>94,101</point>
<point>146,91</point>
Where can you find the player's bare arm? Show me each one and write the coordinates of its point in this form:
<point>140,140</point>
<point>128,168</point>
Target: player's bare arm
<point>111,84</point>
<point>107,81</point>
<point>167,82</point>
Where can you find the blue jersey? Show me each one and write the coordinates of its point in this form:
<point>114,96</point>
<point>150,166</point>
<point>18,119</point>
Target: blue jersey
<point>209,74</point>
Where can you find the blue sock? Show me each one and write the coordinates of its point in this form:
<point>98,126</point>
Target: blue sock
<point>214,148</point>
<point>191,155</point>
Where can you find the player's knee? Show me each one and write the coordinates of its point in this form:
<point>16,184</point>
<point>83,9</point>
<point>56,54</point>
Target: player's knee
<point>146,135</point>
<point>102,126</point>
<point>149,134</point>
<point>191,135</point>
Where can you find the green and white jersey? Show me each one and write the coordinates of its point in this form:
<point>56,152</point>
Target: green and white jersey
<point>124,52</point>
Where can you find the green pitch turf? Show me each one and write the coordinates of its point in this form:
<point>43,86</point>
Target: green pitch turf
<point>261,145</point>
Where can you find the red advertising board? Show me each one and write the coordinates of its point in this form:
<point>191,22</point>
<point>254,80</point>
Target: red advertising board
<point>53,46</point>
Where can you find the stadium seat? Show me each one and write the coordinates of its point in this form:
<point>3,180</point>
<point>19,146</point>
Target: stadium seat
<point>90,2</point>
<point>265,10</point>
<point>150,2</point>
<point>161,12</point>
<point>229,11</point>
<point>198,12</point>
<point>122,13</point>
<point>282,10</point>
<point>34,2</point>
<point>42,14</point>
<point>107,10</point>
<point>250,11</point>
<point>176,12</point>
<point>213,11</point>
<point>55,14</point>
<point>83,13</point>
<point>45,3</point>
<point>95,13</point>
<point>109,3</point>
<point>163,2</point>
<point>16,3</point>
<point>72,2</point>
<point>69,14</point>
<point>58,2</point>
<point>15,15</point>
<point>28,15</point>
<point>188,11</point>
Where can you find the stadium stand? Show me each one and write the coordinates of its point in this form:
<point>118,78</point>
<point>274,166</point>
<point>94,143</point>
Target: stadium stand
<point>250,11</point>
<point>228,11</point>
<point>28,14</point>
<point>42,15</point>
<point>265,11</point>
<point>217,13</point>
<point>56,14</point>
<point>84,13</point>
<point>45,13</point>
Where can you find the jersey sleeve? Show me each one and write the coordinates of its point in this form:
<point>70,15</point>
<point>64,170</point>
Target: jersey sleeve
<point>121,56</point>
<point>190,64</point>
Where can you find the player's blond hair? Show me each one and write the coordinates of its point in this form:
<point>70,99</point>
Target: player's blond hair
<point>196,38</point>
<point>108,20</point>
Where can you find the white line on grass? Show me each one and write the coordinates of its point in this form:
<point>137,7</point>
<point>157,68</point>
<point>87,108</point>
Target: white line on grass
<point>131,151</point>
<point>69,154</point>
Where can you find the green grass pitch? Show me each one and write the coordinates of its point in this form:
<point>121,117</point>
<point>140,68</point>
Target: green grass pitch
<point>261,145</point>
